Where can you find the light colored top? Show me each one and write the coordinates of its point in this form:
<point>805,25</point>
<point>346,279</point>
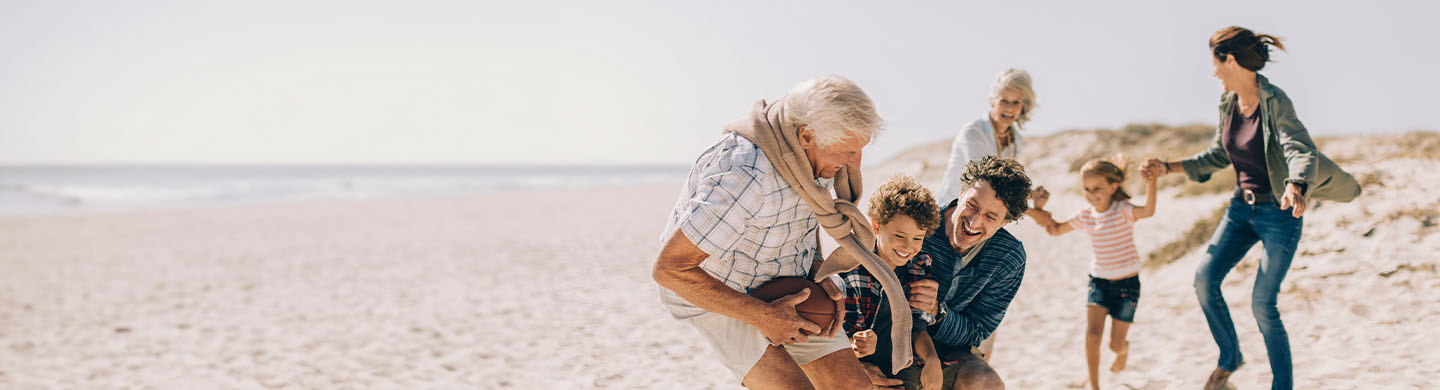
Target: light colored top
<point>974,251</point>
<point>737,208</point>
<point>1112,239</point>
<point>974,142</point>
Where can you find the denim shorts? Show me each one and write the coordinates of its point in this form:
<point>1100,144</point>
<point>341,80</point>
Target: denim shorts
<point>1117,296</point>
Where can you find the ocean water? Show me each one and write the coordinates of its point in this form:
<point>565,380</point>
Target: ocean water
<point>59,188</point>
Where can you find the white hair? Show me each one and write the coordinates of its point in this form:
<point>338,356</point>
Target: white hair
<point>834,107</point>
<point>1019,81</point>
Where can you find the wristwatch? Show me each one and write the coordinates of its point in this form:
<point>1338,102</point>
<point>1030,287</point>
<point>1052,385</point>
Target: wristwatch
<point>924,316</point>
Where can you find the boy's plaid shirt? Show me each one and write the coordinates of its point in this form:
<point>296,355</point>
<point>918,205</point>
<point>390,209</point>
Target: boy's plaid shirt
<point>863,293</point>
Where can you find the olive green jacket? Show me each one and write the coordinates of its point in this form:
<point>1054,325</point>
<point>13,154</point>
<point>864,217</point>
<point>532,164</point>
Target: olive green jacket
<point>1290,154</point>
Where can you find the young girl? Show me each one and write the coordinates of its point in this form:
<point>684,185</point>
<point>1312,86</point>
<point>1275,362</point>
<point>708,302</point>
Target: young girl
<point>1115,265</point>
<point>903,213</point>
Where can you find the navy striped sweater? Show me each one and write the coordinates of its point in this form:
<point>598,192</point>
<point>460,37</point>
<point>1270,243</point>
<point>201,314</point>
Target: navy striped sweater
<point>975,297</point>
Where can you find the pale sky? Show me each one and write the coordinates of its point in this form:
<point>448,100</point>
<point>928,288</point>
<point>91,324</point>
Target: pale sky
<point>633,82</point>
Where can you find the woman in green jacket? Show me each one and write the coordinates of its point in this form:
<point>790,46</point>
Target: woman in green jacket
<point>1277,169</point>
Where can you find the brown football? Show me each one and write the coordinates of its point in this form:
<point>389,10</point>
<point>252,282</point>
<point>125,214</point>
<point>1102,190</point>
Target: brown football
<point>817,308</point>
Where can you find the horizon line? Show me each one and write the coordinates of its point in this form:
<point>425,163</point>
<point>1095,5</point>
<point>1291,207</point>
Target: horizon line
<point>622,163</point>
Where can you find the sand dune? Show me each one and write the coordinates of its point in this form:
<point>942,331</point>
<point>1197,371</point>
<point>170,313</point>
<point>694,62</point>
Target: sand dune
<point>552,289</point>
<point>1359,298</point>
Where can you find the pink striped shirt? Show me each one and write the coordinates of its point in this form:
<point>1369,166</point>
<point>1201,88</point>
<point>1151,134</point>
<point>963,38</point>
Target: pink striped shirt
<point>1112,239</point>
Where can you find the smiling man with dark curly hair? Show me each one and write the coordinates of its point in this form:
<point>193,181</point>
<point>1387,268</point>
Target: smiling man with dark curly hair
<point>978,266</point>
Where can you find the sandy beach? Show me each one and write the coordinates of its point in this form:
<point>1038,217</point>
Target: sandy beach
<point>551,289</point>
<point>543,289</point>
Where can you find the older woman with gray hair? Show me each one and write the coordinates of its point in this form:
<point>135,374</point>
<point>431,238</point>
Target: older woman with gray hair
<point>1012,99</point>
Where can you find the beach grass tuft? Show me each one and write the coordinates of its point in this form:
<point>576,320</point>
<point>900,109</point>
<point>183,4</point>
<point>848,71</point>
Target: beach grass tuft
<point>1195,237</point>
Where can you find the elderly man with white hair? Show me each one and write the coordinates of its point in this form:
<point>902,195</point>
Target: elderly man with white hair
<point>751,211</point>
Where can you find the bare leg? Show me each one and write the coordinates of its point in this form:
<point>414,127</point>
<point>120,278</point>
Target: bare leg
<point>838,370</point>
<point>1119,344</point>
<point>1094,330</point>
<point>972,374</point>
<point>931,377</point>
<point>987,346</point>
<point>777,370</point>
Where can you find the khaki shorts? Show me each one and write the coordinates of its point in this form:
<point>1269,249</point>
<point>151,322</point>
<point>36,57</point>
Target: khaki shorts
<point>741,345</point>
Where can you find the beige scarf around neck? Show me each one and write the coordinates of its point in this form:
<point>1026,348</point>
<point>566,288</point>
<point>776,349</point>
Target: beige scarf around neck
<point>767,127</point>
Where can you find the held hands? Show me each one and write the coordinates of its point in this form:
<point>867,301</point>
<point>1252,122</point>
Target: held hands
<point>1153,169</point>
<point>781,324</point>
<point>863,343</point>
<point>1293,197</point>
<point>1040,196</point>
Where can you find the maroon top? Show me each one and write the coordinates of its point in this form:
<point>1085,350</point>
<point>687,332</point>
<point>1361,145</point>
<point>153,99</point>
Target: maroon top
<point>1245,144</point>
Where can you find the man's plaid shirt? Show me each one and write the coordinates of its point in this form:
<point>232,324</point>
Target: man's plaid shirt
<point>738,209</point>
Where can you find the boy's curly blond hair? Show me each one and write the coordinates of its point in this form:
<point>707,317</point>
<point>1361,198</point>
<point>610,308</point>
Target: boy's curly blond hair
<point>902,195</point>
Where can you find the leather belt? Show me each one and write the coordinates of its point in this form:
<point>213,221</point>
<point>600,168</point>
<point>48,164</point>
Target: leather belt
<point>1253,198</point>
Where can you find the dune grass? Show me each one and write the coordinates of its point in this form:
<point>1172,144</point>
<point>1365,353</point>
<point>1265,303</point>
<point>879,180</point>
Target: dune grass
<point>1147,140</point>
<point>1195,237</point>
<point>1428,215</point>
<point>1370,179</point>
<point>1420,145</point>
<point>1139,142</point>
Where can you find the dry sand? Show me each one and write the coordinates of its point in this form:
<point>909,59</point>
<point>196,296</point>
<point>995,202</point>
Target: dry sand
<point>552,289</point>
<point>1360,303</point>
<point>533,290</point>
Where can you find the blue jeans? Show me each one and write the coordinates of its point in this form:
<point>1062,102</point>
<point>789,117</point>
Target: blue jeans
<point>1244,225</point>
